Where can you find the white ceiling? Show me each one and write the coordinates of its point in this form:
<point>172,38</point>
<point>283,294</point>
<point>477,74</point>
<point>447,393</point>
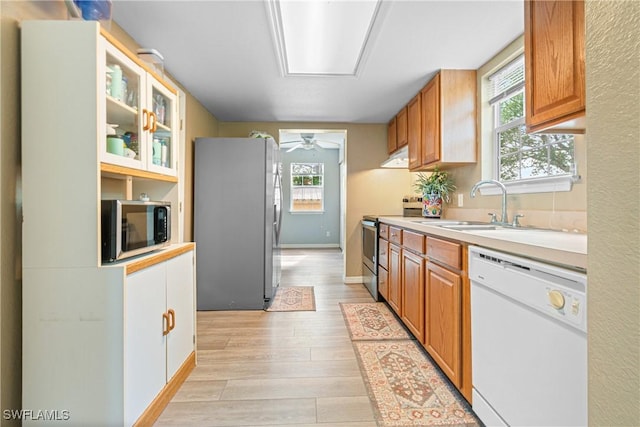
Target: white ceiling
<point>224,54</point>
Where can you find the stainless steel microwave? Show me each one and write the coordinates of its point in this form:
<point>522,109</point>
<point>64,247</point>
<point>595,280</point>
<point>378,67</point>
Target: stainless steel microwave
<point>132,227</point>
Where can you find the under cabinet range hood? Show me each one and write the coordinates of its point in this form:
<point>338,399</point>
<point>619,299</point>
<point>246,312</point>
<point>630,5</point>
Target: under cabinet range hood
<point>399,159</point>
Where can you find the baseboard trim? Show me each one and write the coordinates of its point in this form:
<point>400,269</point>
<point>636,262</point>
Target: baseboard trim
<point>154,410</point>
<point>353,279</point>
<point>309,245</point>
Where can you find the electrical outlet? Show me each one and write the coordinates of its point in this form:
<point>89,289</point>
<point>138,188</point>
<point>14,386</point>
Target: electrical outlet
<point>328,234</point>
<point>460,200</point>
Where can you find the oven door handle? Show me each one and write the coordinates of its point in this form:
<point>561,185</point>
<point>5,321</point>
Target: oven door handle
<point>369,224</point>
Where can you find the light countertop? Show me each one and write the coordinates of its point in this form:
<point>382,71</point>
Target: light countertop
<point>558,247</point>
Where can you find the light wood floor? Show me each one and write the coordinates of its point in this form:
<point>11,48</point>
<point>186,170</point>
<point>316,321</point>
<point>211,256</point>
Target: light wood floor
<point>260,368</point>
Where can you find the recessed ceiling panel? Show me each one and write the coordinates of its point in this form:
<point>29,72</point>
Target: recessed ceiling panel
<point>324,37</point>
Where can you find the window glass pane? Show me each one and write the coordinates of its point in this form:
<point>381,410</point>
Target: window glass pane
<point>534,163</point>
<point>509,168</point>
<point>509,141</point>
<point>307,192</point>
<point>511,109</point>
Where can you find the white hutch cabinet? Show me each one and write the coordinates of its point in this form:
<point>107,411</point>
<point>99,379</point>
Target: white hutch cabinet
<point>109,343</point>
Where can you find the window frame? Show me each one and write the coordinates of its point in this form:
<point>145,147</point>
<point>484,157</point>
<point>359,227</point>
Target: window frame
<point>490,143</point>
<point>292,186</point>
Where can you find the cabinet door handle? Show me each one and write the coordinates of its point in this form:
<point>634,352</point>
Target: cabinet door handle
<point>145,119</point>
<point>155,121</point>
<point>165,324</point>
<point>172,318</point>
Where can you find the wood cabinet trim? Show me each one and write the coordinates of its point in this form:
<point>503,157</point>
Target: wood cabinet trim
<point>154,410</point>
<point>158,258</point>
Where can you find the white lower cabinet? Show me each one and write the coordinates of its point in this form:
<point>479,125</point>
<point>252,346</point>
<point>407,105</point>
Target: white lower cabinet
<point>145,344</point>
<point>94,341</point>
<point>159,329</point>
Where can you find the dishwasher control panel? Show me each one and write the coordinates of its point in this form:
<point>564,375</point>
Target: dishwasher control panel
<point>557,292</point>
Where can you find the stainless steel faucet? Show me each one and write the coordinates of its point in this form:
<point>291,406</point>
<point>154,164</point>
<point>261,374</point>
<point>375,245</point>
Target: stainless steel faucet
<point>504,219</point>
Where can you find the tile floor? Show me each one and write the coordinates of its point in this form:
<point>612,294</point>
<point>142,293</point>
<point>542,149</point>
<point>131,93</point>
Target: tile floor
<point>260,368</point>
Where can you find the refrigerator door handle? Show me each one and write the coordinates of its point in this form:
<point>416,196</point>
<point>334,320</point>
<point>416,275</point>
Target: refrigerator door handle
<point>279,189</point>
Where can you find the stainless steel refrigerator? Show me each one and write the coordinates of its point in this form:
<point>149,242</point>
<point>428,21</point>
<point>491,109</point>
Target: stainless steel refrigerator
<point>237,217</point>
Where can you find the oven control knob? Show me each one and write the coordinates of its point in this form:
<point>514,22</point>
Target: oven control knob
<point>556,299</point>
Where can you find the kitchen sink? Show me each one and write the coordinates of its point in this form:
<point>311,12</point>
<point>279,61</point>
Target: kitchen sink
<point>468,227</point>
<point>447,223</point>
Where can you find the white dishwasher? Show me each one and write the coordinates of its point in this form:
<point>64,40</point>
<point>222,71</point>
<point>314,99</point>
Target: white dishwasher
<point>529,341</point>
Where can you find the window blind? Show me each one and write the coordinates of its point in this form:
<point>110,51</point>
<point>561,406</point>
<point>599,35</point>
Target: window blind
<point>507,80</point>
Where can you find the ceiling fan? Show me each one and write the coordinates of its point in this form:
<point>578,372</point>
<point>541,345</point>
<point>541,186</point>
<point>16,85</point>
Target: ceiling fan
<point>308,142</point>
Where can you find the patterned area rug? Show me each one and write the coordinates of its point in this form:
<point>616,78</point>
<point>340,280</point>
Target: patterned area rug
<point>372,321</point>
<point>407,389</point>
<point>293,298</point>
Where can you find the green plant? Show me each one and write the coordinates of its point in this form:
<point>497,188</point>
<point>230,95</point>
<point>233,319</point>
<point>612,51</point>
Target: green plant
<point>437,182</point>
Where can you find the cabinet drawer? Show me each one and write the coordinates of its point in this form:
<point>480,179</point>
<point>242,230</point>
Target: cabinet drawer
<point>448,253</point>
<point>383,253</point>
<point>413,241</point>
<point>384,231</point>
<point>395,235</point>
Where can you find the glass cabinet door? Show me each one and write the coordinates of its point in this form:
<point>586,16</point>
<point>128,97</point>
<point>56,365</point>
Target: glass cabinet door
<point>121,139</point>
<point>162,104</point>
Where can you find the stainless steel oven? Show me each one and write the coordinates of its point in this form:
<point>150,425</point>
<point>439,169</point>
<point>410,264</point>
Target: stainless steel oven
<point>370,254</point>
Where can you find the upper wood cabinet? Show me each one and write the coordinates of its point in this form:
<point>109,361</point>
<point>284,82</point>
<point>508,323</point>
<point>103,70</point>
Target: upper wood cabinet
<point>401,128</point>
<point>414,131</point>
<point>392,138</point>
<point>448,120</point>
<point>554,40</point>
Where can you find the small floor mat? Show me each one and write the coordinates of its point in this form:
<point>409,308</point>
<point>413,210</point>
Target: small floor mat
<point>406,389</point>
<point>293,298</point>
<point>372,321</point>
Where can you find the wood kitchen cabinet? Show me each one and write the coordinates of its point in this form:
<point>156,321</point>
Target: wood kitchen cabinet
<point>414,131</point>
<point>395,279</point>
<point>392,136</point>
<point>555,66</point>
<point>401,128</point>
<point>443,337</point>
<point>448,120</point>
<point>413,282</point>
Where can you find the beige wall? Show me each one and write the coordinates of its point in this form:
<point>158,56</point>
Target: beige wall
<point>613,116</point>
<point>370,189</point>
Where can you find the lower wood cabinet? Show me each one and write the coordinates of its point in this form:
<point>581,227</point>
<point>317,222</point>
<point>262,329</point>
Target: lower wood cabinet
<point>443,334</point>
<point>395,279</point>
<point>425,282</point>
<point>383,283</point>
<point>413,293</point>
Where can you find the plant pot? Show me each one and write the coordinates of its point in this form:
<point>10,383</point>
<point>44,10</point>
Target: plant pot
<point>431,205</point>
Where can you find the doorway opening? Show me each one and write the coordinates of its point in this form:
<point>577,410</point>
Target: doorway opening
<point>314,186</point>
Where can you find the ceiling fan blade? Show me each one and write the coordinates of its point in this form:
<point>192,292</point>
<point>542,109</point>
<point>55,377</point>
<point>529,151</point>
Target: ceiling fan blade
<point>294,147</point>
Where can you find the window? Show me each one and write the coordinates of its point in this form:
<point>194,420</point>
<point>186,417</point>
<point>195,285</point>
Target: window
<point>520,156</point>
<point>307,187</point>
